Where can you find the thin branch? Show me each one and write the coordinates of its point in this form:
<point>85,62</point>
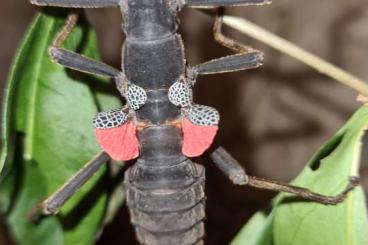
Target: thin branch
<point>284,46</point>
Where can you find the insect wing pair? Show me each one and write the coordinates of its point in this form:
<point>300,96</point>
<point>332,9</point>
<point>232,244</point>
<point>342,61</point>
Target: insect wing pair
<point>116,129</point>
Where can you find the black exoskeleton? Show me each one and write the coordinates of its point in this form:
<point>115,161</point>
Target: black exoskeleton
<point>165,189</point>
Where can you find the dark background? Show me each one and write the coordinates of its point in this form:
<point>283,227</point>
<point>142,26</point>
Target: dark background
<point>273,118</point>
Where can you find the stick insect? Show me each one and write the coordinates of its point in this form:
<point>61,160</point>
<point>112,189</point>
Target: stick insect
<point>160,128</point>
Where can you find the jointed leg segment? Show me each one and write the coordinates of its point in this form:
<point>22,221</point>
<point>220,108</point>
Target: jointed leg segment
<point>52,204</point>
<point>303,192</point>
<point>230,63</point>
<point>229,166</point>
<point>247,57</point>
<point>234,171</point>
<point>226,41</point>
<point>76,61</point>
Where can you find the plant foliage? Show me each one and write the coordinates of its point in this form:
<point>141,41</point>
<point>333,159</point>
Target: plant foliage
<point>296,222</point>
<point>48,135</point>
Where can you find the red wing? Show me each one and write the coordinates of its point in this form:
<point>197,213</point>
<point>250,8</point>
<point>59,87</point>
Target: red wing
<point>197,139</point>
<point>119,143</point>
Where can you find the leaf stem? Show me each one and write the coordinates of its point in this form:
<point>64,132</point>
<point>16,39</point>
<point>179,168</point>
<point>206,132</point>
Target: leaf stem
<point>284,46</point>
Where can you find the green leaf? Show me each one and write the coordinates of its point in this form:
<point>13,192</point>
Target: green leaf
<point>254,231</point>
<point>300,222</point>
<point>32,190</point>
<point>7,113</point>
<point>49,110</point>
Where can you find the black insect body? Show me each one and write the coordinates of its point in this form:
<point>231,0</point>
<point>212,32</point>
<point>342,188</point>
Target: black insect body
<point>165,189</point>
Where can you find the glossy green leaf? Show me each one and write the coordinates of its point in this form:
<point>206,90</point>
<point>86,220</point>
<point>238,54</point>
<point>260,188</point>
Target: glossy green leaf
<point>300,222</point>
<point>49,111</point>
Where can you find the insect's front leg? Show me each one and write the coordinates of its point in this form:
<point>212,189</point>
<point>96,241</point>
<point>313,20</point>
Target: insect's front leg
<point>221,38</point>
<point>235,172</point>
<point>231,63</point>
<point>81,63</point>
<point>77,3</point>
<point>76,61</point>
<point>247,57</point>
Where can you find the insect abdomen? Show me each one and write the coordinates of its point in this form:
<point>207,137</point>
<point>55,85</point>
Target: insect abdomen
<point>167,203</point>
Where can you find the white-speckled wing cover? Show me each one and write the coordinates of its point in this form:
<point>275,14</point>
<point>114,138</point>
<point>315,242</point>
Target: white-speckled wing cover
<point>136,97</point>
<point>110,119</point>
<point>181,94</point>
<point>202,115</point>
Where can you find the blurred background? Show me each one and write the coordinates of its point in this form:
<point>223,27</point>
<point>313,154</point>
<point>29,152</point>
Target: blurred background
<point>273,118</point>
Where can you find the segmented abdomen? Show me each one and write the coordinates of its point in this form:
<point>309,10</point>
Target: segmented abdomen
<point>167,204</point>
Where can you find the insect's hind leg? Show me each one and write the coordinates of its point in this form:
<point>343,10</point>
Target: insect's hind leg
<point>77,3</point>
<point>76,61</point>
<point>229,166</point>
<point>53,203</point>
<point>235,172</point>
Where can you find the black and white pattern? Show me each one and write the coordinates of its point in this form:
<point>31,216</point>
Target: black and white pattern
<point>136,97</point>
<point>202,115</point>
<point>110,119</point>
<point>181,94</point>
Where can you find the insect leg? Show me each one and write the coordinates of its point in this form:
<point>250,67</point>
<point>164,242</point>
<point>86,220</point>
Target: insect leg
<point>73,60</point>
<point>227,41</point>
<point>229,166</point>
<point>247,57</point>
<point>229,63</point>
<point>79,62</point>
<point>234,171</point>
<point>53,203</point>
<point>77,3</point>
<point>272,185</point>
<point>223,3</point>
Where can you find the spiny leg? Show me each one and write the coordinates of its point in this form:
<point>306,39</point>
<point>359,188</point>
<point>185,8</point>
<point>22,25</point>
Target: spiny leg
<point>76,61</point>
<point>77,3</point>
<point>53,203</point>
<point>234,171</point>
